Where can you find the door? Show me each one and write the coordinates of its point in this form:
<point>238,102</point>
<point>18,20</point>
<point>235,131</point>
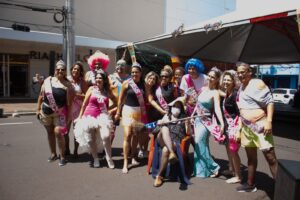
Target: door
<point>14,74</point>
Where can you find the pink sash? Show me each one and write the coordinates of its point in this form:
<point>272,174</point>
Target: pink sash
<point>191,92</point>
<point>140,98</point>
<point>102,100</point>
<point>232,123</point>
<point>161,99</point>
<point>253,126</point>
<point>77,102</point>
<point>210,123</point>
<point>233,128</point>
<point>62,112</point>
<point>76,105</point>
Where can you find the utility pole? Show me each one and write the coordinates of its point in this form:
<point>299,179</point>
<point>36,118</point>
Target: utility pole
<point>69,36</point>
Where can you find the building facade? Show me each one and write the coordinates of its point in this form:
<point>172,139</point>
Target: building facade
<point>280,76</point>
<point>99,25</point>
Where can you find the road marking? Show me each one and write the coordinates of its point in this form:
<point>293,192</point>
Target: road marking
<point>16,123</point>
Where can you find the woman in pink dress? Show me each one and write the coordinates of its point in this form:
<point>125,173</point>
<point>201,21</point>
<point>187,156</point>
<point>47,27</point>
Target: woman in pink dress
<point>94,118</point>
<point>80,87</point>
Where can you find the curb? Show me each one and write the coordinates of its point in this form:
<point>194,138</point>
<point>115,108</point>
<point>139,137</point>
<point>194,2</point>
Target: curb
<point>18,113</point>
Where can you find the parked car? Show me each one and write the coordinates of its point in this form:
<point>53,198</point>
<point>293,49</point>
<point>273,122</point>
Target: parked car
<point>284,95</point>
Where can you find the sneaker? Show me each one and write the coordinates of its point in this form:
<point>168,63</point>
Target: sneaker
<point>141,154</point>
<point>62,162</point>
<point>233,180</point>
<point>96,163</point>
<point>246,188</point>
<point>52,158</point>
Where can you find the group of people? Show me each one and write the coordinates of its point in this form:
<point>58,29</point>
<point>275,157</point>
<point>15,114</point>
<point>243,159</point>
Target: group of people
<point>232,106</point>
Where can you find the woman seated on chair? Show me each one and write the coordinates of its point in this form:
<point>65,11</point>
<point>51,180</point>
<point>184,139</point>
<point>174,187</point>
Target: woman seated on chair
<point>169,137</point>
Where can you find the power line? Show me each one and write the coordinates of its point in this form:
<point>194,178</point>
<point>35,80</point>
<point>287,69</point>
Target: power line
<point>34,4</point>
<point>32,24</point>
<point>32,7</point>
<point>95,28</point>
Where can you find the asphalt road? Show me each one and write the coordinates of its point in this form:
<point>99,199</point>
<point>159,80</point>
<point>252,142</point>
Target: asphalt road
<point>25,173</point>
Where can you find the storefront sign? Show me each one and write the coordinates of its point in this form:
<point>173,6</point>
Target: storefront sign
<point>37,55</point>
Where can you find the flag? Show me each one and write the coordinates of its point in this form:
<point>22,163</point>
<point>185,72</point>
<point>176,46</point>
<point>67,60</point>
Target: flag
<point>151,126</point>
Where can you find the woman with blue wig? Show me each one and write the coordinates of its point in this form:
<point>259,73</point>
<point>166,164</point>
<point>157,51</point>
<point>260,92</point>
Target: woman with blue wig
<point>192,83</point>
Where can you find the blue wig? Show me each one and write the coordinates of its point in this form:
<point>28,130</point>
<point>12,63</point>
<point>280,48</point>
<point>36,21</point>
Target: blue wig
<point>198,64</point>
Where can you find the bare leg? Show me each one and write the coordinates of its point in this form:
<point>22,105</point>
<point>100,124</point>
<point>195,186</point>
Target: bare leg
<point>76,145</point>
<point>164,138</point>
<point>134,144</point>
<point>236,164</point>
<point>51,140</point>
<point>164,160</point>
<point>92,143</point>
<point>105,136</point>
<point>143,139</point>
<point>272,161</point>
<point>236,161</point>
<point>126,147</point>
<point>67,140</point>
<point>61,143</point>
<point>229,158</point>
<point>112,135</point>
<point>252,164</point>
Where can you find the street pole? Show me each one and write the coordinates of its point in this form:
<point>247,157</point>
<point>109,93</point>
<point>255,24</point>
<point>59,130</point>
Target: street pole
<point>69,36</point>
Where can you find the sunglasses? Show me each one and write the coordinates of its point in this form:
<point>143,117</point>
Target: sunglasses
<point>61,70</point>
<point>164,76</point>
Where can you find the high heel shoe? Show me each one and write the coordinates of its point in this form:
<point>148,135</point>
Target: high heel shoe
<point>110,163</point>
<point>214,175</point>
<point>158,181</point>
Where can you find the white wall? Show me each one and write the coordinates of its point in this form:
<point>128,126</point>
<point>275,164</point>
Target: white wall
<point>129,20</point>
<point>192,12</point>
<point>271,6</point>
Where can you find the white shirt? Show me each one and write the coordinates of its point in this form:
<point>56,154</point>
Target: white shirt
<point>198,82</point>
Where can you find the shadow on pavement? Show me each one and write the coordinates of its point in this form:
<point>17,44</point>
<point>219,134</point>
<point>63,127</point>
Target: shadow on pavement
<point>286,129</point>
<point>265,182</point>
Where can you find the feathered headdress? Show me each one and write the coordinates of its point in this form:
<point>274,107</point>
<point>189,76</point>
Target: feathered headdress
<point>98,56</point>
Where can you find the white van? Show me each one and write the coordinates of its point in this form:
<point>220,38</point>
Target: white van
<point>284,95</point>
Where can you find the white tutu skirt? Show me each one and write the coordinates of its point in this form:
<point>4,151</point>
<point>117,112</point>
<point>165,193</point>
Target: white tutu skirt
<point>84,128</point>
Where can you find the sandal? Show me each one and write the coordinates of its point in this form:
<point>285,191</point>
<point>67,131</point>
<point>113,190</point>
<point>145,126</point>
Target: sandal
<point>233,180</point>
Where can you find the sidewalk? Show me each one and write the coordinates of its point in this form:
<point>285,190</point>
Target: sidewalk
<point>11,109</point>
